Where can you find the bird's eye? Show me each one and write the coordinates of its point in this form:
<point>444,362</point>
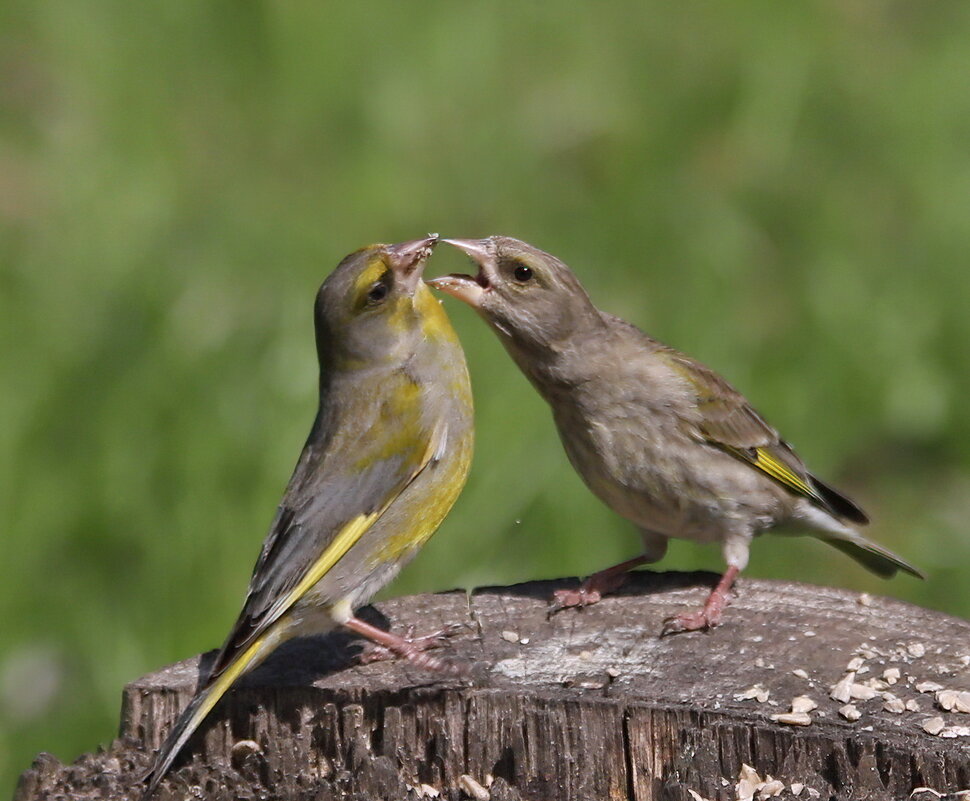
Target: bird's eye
<point>377,293</point>
<point>522,274</point>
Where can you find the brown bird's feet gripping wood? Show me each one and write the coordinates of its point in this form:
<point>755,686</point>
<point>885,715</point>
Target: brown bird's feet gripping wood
<point>593,589</point>
<point>709,615</point>
<point>829,692</point>
<point>611,579</point>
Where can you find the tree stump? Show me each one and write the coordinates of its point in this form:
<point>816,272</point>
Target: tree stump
<point>585,704</point>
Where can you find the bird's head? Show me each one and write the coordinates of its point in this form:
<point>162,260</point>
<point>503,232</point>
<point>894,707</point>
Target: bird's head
<point>527,295</point>
<point>374,307</point>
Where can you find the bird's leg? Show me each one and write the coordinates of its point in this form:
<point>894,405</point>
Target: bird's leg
<point>596,586</point>
<point>374,652</point>
<point>413,649</point>
<point>709,615</point>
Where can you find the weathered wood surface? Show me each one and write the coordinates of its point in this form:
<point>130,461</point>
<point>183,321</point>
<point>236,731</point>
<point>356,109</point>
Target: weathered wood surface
<point>585,705</point>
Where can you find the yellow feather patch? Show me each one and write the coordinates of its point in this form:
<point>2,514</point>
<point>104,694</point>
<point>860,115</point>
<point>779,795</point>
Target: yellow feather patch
<point>781,472</point>
<point>434,322</point>
<point>399,425</point>
<point>415,530</point>
<point>369,276</point>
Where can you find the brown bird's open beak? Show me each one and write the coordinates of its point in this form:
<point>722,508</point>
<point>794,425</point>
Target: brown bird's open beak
<point>407,259</point>
<point>468,288</point>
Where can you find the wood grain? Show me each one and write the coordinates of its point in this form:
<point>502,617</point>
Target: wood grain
<point>586,704</point>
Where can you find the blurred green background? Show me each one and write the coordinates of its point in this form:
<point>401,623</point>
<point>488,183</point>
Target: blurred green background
<point>779,189</point>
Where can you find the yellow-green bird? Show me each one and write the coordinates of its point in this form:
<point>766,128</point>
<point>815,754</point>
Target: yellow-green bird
<point>386,458</point>
<point>663,440</point>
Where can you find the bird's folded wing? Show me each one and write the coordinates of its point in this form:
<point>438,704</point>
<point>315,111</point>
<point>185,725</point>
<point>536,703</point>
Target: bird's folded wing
<point>727,420</point>
<point>334,497</point>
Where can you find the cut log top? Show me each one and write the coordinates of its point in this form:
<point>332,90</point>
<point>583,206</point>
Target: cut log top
<point>584,704</point>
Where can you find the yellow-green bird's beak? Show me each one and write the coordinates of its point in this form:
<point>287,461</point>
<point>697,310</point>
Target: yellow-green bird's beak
<point>469,288</point>
<point>407,259</point>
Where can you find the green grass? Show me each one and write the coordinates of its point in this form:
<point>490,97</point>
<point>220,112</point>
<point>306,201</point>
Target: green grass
<point>778,189</point>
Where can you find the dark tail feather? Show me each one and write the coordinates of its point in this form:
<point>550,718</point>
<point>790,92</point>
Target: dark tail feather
<point>884,563</point>
<point>205,700</point>
<point>183,729</point>
<point>842,507</point>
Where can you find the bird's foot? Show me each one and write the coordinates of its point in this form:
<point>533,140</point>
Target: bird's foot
<point>595,587</point>
<point>701,620</point>
<point>709,616</point>
<point>413,649</point>
<point>568,599</point>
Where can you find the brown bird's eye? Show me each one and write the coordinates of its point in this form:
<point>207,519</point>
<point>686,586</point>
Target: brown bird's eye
<point>377,293</point>
<point>522,273</point>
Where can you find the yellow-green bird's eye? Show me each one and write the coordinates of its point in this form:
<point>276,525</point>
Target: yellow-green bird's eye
<point>378,293</point>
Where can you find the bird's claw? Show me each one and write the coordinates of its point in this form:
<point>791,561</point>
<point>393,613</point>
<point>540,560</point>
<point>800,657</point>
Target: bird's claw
<point>705,619</point>
<point>708,616</point>
<point>414,649</point>
<point>569,599</point>
<point>690,621</point>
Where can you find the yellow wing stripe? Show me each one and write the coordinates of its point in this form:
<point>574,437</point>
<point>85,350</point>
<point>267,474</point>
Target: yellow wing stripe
<point>780,472</point>
<point>348,535</point>
<point>340,545</point>
<point>336,551</point>
<point>276,632</point>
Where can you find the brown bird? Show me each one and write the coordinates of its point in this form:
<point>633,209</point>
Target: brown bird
<point>660,438</point>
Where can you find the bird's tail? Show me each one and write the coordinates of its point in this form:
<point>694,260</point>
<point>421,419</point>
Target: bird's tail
<point>879,560</point>
<point>867,553</point>
<point>200,706</point>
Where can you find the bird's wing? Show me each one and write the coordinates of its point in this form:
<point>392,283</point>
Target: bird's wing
<point>727,420</point>
<point>340,488</point>
<point>342,484</point>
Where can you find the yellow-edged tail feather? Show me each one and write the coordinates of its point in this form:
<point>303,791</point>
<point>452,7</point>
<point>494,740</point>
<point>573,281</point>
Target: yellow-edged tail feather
<point>200,706</point>
<point>275,634</point>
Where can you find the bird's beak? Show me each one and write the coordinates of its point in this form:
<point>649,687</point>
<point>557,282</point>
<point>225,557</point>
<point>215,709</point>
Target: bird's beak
<point>407,260</point>
<point>478,250</point>
<point>469,288</point>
